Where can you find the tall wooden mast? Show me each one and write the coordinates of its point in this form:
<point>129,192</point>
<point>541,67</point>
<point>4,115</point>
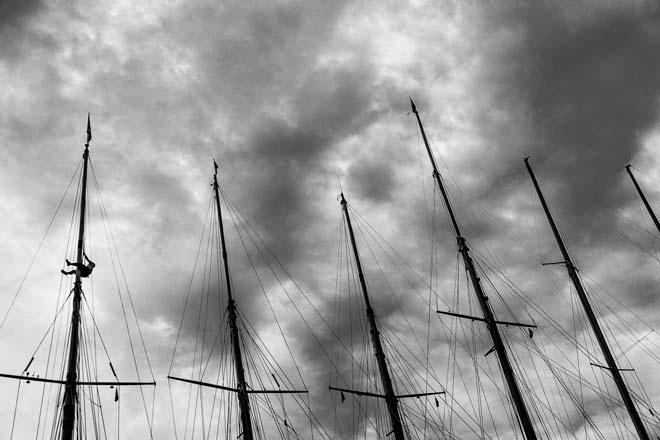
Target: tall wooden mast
<point>643,197</point>
<point>390,397</point>
<point>488,315</point>
<point>241,388</point>
<point>70,388</point>
<point>591,316</point>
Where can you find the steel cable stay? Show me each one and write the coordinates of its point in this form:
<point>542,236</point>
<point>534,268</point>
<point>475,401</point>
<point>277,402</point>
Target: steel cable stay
<point>121,283</point>
<point>612,321</point>
<point>388,286</point>
<point>335,315</point>
<point>265,357</point>
<point>613,297</point>
<point>54,342</point>
<point>39,246</point>
<point>279,376</point>
<point>260,246</point>
<point>58,308</point>
<point>118,268</point>
<point>181,322</point>
<point>200,247</point>
<point>236,221</point>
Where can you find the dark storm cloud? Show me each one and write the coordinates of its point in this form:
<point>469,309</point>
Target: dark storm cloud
<point>282,165</point>
<point>291,156</point>
<point>286,97</point>
<point>373,181</point>
<point>282,156</point>
<point>167,205</point>
<point>591,91</point>
<point>14,13</point>
<point>17,39</point>
<point>254,57</point>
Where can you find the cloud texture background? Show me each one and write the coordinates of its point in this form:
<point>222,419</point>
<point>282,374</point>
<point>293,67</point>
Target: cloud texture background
<point>290,96</point>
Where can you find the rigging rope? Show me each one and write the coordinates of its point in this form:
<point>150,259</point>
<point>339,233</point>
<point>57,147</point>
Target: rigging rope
<point>41,242</point>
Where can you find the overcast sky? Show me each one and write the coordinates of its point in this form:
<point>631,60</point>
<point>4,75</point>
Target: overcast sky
<point>290,97</point>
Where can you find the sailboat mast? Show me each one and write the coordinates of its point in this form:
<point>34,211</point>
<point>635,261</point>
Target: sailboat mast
<point>489,317</point>
<point>70,388</point>
<point>591,316</point>
<point>386,381</point>
<point>643,197</point>
<point>243,401</point>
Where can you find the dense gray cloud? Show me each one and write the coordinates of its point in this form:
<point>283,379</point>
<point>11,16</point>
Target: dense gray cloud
<point>292,97</point>
<point>14,13</point>
<point>586,92</point>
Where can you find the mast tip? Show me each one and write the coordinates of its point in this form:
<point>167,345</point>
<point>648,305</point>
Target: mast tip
<point>89,129</point>
<point>412,104</point>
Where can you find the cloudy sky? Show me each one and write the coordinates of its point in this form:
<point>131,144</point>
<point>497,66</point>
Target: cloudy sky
<point>293,97</point>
